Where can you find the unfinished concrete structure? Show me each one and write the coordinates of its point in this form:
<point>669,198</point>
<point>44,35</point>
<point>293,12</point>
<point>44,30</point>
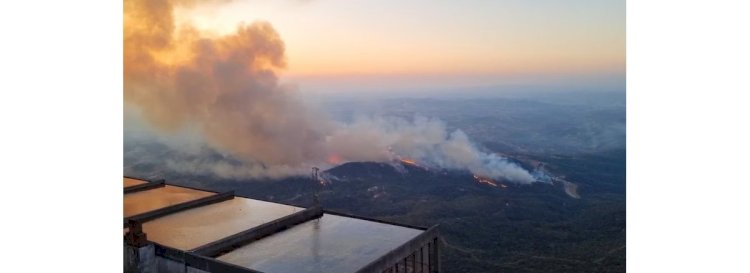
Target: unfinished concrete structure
<point>170,228</point>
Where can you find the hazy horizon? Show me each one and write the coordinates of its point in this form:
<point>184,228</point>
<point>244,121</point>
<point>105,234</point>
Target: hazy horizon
<point>334,46</point>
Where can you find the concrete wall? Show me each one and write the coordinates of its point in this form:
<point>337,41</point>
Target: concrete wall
<point>397,255</point>
<point>140,259</point>
<point>169,266</point>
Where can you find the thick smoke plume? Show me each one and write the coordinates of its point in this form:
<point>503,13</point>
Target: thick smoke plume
<point>226,88</point>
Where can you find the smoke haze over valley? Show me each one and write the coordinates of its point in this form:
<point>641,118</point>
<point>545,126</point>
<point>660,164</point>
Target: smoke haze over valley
<point>525,176</point>
<point>509,227</point>
<point>224,92</point>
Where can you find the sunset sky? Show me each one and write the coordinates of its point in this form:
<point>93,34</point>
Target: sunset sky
<point>346,44</point>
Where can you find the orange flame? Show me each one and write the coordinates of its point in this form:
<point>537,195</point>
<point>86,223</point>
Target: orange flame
<point>410,162</point>
<point>334,159</point>
<point>413,163</point>
<point>485,180</point>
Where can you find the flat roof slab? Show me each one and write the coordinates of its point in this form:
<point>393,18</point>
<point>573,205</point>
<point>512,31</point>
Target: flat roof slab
<point>329,244</point>
<point>127,182</point>
<point>148,200</point>
<point>192,228</point>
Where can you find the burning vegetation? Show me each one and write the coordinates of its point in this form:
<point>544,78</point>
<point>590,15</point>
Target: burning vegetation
<point>223,91</point>
<point>413,163</point>
<point>489,181</point>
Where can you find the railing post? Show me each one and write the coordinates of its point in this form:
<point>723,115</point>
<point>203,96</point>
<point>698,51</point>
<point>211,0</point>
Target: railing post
<point>140,256</point>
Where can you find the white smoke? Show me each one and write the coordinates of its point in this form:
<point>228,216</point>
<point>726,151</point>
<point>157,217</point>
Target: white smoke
<point>424,140</point>
<point>225,92</point>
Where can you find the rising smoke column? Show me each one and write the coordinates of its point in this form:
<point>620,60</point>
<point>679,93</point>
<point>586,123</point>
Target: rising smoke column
<point>226,88</point>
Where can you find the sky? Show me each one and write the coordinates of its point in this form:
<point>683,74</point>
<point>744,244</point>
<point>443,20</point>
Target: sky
<point>344,45</point>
